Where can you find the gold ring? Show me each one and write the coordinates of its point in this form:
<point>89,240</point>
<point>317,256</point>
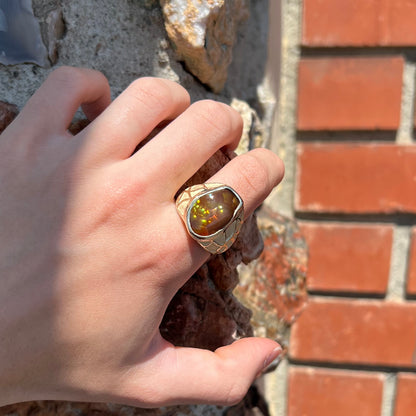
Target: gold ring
<point>213,214</point>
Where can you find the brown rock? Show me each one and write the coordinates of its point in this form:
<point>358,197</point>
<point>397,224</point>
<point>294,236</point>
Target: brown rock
<point>77,125</point>
<point>7,114</point>
<point>203,34</point>
<point>52,408</point>
<point>253,135</point>
<point>55,31</point>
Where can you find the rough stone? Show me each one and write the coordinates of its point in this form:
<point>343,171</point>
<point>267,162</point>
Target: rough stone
<point>204,33</point>
<point>253,131</point>
<point>77,125</point>
<point>51,408</point>
<point>55,32</point>
<point>7,114</point>
<point>252,405</point>
<point>273,287</point>
<point>52,25</point>
<point>126,39</point>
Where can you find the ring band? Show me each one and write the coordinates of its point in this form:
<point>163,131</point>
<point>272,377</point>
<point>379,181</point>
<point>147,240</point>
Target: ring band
<point>213,214</point>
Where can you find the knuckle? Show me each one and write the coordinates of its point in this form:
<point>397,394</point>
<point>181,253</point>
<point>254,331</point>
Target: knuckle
<point>233,389</point>
<point>235,393</point>
<point>151,92</point>
<point>67,76</point>
<point>215,117</point>
<point>120,191</point>
<point>254,173</point>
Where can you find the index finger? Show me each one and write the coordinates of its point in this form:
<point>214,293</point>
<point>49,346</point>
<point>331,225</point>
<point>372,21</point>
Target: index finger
<point>52,107</point>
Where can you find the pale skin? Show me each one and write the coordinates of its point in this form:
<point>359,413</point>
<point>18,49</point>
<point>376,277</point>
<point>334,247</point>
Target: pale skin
<point>92,249</point>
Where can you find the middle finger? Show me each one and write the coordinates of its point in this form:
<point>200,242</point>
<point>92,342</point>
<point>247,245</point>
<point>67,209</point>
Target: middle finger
<point>182,147</point>
<point>133,115</point>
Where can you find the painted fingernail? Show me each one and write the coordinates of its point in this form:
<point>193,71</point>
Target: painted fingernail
<point>273,359</point>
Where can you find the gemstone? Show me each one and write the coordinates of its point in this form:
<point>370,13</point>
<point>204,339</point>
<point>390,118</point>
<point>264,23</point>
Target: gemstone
<point>212,211</point>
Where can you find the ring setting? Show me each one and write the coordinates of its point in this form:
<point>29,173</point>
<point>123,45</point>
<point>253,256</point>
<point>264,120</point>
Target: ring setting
<point>213,214</point>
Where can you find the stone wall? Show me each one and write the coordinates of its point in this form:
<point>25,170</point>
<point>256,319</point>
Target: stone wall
<point>223,50</point>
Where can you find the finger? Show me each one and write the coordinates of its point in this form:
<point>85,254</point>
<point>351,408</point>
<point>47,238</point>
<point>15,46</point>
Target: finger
<point>52,107</point>
<point>253,175</point>
<point>133,115</point>
<point>182,147</point>
<point>222,377</point>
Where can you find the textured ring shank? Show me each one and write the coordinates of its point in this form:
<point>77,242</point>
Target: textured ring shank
<point>222,239</point>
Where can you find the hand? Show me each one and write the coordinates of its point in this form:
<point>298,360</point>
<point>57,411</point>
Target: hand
<point>92,249</point>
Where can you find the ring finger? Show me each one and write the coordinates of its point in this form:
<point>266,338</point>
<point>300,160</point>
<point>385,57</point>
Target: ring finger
<point>182,147</point>
<point>252,176</point>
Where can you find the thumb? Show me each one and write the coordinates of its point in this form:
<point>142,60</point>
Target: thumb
<point>223,377</point>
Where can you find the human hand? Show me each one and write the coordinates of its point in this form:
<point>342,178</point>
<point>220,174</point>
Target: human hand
<point>93,250</point>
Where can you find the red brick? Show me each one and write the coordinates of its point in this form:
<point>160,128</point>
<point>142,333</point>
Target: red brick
<point>359,23</point>
<point>348,258</point>
<point>411,276</point>
<point>356,178</point>
<point>321,392</point>
<point>356,332</point>
<point>349,93</point>
<point>405,403</point>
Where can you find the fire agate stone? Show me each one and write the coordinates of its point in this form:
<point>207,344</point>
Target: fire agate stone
<point>212,211</point>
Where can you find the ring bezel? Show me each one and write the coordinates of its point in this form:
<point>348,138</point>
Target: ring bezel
<point>236,213</point>
<point>222,239</point>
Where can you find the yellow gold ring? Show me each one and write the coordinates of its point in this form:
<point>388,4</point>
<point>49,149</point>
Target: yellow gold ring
<point>213,214</point>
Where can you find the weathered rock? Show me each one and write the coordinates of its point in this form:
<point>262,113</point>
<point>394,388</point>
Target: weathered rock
<point>273,287</point>
<point>203,34</point>
<point>55,31</point>
<point>50,408</point>
<point>77,125</point>
<point>7,114</point>
<point>253,131</point>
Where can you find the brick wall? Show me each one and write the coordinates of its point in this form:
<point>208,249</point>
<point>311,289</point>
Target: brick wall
<point>353,351</point>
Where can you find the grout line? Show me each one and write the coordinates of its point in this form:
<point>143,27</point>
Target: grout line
<point>389,393</point>
<point>366,219</point>
<point>376,368</point>
<point>358,51</point>
<point>405,131</point>
<point>396,289</point>
<point>348,298</point>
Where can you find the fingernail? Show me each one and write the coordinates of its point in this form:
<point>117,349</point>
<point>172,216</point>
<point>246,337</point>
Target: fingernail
<point>273,359</point>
